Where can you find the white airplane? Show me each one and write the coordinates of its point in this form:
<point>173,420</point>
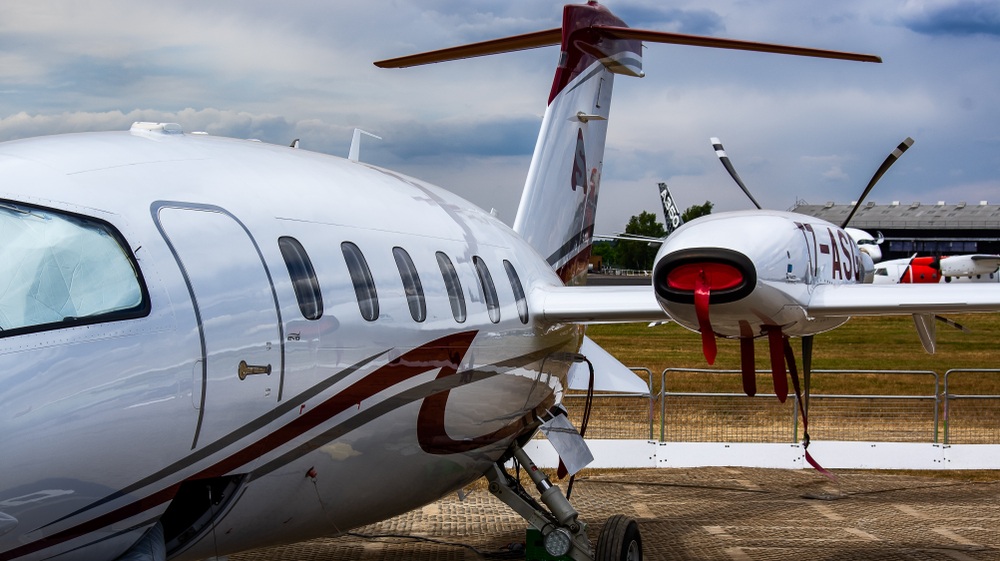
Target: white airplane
<point>953,268</point>
<point>211,345</point>
<point>743,275</point>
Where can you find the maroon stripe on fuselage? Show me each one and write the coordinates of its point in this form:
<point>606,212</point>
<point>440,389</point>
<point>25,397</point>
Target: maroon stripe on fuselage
<point>445,353</point>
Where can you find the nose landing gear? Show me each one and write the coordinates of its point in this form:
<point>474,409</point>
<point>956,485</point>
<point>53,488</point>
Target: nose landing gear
<point>564,536</point>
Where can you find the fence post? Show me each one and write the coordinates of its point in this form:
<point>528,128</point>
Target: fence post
<point>663,404</point>
<point>937,404</point>
<point>795,419</point>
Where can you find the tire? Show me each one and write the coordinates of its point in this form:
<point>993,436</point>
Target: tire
<point>619,540</point>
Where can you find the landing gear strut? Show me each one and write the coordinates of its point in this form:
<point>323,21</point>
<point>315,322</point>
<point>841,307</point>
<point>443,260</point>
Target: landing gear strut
<point>564,536</point>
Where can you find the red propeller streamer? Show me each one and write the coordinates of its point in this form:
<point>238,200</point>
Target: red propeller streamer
<point>748,366</point>
<point>702,292</point>
<point>778,373</point>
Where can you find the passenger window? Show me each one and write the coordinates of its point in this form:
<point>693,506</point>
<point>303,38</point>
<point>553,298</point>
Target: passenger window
<point>304,282</point>
<point>59,270</point>
<point>489,289</point>
<point>515,283</point>
<point>411,284</point>
<point>361,278</point>
<point>454,286</point>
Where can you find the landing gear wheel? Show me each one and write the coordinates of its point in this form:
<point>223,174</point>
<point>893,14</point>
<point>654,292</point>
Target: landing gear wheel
<point>619,540</point>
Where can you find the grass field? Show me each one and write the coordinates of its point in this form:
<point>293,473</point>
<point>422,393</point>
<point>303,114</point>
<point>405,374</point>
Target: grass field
<point>863,344</point>
<point>884,343</point>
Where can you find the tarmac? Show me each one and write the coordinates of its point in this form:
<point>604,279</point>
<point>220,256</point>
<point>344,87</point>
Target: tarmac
<point>725,514</point>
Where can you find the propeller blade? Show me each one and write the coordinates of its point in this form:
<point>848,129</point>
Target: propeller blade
<point>890,159</point>
<point>790,357</point>
<point>702,292</point>
<point>953,323</point>
<point>926,331</point>
<point>748,364</point>
<point>721,153</point>
<point>776,343</point>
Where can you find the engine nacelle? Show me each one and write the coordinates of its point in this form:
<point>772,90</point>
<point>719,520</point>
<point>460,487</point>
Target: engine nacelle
<point>744,272</point>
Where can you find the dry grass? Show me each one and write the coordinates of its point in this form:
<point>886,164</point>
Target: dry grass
<point>885,343</point>
<point>861,345</point>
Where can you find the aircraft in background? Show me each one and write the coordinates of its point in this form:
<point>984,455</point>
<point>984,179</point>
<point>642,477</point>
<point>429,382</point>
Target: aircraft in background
<point>210,345</point>
<point>671,214</point>
<point>954,268</point>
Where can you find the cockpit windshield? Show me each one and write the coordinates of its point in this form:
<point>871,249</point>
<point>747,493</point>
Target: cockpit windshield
<point>56,269</point>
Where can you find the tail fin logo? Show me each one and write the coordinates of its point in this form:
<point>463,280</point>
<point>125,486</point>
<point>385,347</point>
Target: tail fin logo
<point>670,211</point>
<point>579,178</point>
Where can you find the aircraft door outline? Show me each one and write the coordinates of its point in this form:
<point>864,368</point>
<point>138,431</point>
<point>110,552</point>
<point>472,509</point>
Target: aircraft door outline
<point>244,385</point>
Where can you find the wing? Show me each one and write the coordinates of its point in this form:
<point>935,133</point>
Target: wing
<point>902,299</point>
<point>596,304</point>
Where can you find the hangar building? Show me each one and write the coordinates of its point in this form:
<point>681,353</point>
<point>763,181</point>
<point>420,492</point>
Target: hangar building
<point>919,228</point>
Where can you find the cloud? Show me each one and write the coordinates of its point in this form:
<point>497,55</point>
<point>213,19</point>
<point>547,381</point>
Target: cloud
<point>214,121</point>
<point>694,22</point>
<point>952,17</point>
<point>266,70</point>
<point>502,137</point>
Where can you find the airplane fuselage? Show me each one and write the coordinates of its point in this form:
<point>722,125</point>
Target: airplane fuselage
<point>225,368</point>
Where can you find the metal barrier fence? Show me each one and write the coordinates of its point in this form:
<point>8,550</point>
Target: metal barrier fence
<point>972,418</point>
<point>693,405</point>
<point>910,414</point>
<point>616,415</point>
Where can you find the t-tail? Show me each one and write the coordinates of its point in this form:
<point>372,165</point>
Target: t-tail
<point>556,214</point>
<point>559,201</point>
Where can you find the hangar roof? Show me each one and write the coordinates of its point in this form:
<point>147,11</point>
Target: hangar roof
<point>916,215</point>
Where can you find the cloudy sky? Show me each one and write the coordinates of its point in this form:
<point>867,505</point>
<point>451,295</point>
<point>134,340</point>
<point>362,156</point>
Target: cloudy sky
<point>796,128</point>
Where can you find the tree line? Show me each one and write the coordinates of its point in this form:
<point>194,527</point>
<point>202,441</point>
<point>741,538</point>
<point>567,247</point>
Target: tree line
<point>639,255</point>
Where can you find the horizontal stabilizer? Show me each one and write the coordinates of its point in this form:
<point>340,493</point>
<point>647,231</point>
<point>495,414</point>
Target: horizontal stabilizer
<point>610,375</point>
<point>553,37</point>
<point>495,46</point>
<point>734,44</point>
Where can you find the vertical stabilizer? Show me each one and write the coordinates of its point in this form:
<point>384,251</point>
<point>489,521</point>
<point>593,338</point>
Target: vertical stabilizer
<point>671,214</point>
<point>556,214</point>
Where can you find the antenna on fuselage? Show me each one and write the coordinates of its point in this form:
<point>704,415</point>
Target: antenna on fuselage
<point>355,151</point>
